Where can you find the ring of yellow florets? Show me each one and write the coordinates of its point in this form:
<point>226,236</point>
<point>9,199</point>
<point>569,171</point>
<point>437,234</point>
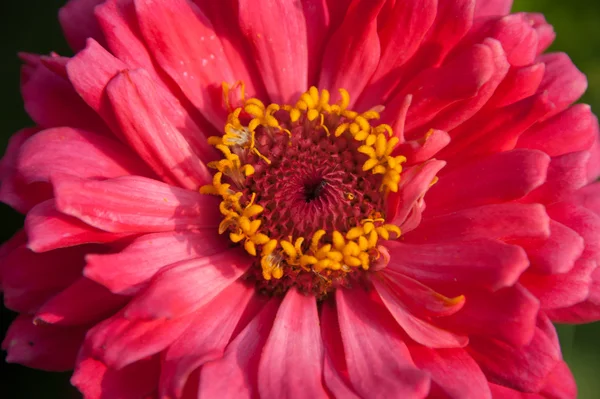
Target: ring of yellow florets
<point>325,252</point>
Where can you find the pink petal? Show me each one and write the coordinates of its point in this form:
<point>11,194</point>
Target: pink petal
<point>335,370</point>
<point>41,346</point>
<point>189,285</point>
<point>485,263</point>
<point>280,50</point>
<point>560,383</point>
<point>51,101</point>
<point>484,8</point>
<point>524,368</point>
<point>13,191</point>
<point>453,21</point>
<point>454,374</point>
<point>377,359</point>
<point>235,375</point>
<point>508,315</point>
<point>514,31</point>
<point>583,221</point>
<point>561,290</point>
<point>414,184</point>
<point>89,71</point>
<point>96,381</point>
<point>185,45</point>
<point>436,89</point>
<point>292,358</point>
<point>78,22</point>
<point>134,204</point>
<point>49,229</point>
<point>519,83</point>
<point>419,299</point>
<point>506,222</point>
<point>129,270</point>
<point>30,279</point>
<point>461,111</point>
<point>205,339</point>
<point>558,253</point>
<point>120,341</point>
<point>418,329</point>
<point>406,26</point>
<point>496,130</point>
<point>137,107</point>
<point>119,23</point>
<point>563,81</point>
<point>508,176</point>
<point>566,174</point>
<point>19,239</point>
<point>76,152</point>
<point>572,130</point>
<point>243,65</point>
<point>594,164</point>
<point>424,148</point>
<point>83,302</point>
<point>545,31</point>
<point>352,53</point>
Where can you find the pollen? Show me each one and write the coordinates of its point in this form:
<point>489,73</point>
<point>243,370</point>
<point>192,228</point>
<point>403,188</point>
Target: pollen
<point>303,188</point>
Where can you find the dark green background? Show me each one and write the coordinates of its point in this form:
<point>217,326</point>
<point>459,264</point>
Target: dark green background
<point>32,26</point>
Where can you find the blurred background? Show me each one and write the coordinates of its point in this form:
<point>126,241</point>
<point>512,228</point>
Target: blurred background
<point>32,26</point>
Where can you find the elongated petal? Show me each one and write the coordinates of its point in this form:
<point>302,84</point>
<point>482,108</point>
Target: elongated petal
<point>508,176</point>
<point>78,22</point>
<point>510,221</point>
<point>29,279</point>
<point>51,100</point>
<point>13,190</point>
<point>558,253</point>
<point>335,370</point>
<point>76,152</point>
<point>291,363</point>
<point>508,315</point>
<point>485,8</point>
<point>184,43</point>
<point>89,71</point>
<point>49,229</point>
<point>572,130</point>
<point>482,263</point>
<point>413,186</point>
<point>418,329</point>
<point>189,285</point>
<point>353,51</point>
<point>129,270</point>
<point>120,341</point>
<point>138,111</point>
<point>281,51</point>
<point>454,374</point>
<point>41,346</point>
<point>378,361</point>
<point>81,303</point>
<point>561,290</point>
<point>407,24</point>
<point>236,374</point>
<point>563,81</point>
<point>524,369</point>
<point>97,381</point>
<point>134,204</point>
<point>205,339</point>
<point>118,21</point>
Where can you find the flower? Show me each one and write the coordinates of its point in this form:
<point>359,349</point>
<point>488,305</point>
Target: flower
<point>363,198</point>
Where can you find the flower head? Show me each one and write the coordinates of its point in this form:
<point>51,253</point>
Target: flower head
<point>365,198</point>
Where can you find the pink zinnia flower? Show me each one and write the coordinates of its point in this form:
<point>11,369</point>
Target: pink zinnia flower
<point>307,198</point>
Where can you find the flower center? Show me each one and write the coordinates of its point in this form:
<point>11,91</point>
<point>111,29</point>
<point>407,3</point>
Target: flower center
<point>303,189</point>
